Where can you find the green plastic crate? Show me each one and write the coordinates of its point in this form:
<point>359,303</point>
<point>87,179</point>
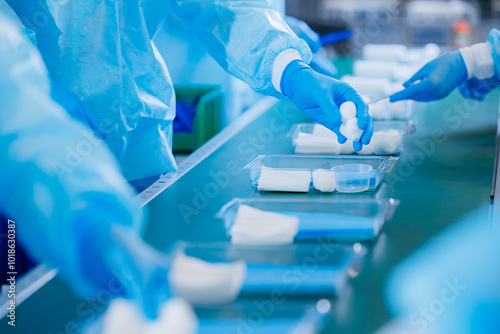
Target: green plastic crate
<point>207,119</point>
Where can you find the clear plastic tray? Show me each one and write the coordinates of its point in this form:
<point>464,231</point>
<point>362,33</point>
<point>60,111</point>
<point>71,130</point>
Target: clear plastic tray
<point>291,162</point>
<point>305,130</point>
<point>267,266</point>
<point>346,220</point>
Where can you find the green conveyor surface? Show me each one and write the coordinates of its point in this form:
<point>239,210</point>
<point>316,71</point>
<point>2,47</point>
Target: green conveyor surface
<point>437,181</point>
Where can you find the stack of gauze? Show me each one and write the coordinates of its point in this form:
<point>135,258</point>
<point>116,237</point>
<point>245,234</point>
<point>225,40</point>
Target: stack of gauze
<point>384,143</point>
<point>349,127</point>
<point>321,141</point>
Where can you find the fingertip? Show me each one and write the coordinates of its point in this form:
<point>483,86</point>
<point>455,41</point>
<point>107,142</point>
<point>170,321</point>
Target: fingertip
<point>358,146</point>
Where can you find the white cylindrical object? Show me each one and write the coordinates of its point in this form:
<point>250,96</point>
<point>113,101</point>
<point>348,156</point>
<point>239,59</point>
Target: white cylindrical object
<point>351,130</point>
<point>385,52</point>
<point>371,87</point>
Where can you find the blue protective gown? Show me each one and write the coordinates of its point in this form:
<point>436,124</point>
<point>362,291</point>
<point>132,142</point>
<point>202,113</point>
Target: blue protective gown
<point>103,52</point>
<point>59,183</point>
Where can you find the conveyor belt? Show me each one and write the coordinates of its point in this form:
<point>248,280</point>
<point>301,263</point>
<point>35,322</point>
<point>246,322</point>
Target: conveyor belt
<point>429,183</point>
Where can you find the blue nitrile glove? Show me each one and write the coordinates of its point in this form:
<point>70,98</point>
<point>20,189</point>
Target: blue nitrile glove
<point>141,273</point>
<point>75,108</point>
<point>478,89</point>
<point>438,79</point>
<point>319,97</point>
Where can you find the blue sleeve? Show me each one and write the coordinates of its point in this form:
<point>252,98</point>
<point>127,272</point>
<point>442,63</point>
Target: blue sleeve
<point>57,181</point>
<point>494,39</point>
<point>244,37</point>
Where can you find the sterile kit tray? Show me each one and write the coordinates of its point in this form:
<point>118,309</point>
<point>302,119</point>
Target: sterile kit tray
<point>313,138</point>
<point>273,315</point>
<point>295,168</point>
<point>292,269</point>
<point>341,220</point>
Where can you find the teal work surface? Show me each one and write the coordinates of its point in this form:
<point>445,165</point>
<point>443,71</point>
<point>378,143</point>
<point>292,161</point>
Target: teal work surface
<point>438,179</point>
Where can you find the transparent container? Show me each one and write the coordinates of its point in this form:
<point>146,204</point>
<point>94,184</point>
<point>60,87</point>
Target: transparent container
<point>310,163</point>
<point>352,178</point>
<point>306,139</point>
<point>346,220</point>
<point>266,266</point>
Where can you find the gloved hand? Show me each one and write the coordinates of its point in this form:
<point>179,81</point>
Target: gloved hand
<point>320,97</point>
<point>140,272</point>
<point>75,108</point>
<point>478,89</point>
<point>319,63</point>
<point>438,79</point>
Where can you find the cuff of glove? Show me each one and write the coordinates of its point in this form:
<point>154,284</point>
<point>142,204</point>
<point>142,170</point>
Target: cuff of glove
<point>279,65</point>
<point>479,60</point>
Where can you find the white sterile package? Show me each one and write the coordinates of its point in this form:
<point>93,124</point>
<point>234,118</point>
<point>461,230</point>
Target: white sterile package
<point>256,227</point>
<point>324,180</point>
<point>124,317</point>
<point>371,87</point>
<point>387,142</point>
<point>276,179</point>
<point>381,69</point>
<point>310,143</point>
<point>385,52</point>
<point>202,282</point>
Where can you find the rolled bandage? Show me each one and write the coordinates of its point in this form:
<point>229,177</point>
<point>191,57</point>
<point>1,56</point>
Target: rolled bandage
<point>324,180</point>
<point>306,143</point>
<point>257,227</point>
<point>274,179</point>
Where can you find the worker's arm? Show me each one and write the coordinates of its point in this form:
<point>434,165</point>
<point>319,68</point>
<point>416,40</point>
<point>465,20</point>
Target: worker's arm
<point>61,186</point>
<point>438,78</point>
<point>252,42</point>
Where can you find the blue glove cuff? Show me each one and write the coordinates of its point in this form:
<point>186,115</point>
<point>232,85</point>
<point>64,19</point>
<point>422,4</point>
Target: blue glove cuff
<point>462,64</point>
<point>288,74</point>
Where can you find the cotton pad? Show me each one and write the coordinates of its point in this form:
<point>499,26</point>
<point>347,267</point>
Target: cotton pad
<point>347,111</point>
<point>324,180</point>
<point>202,282</point>
<point>351,130</point>
<point>387,142</point>
<point>272,179</point>
<point>380,110</point>
<point>124,317</point>
<point>256,227</point>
